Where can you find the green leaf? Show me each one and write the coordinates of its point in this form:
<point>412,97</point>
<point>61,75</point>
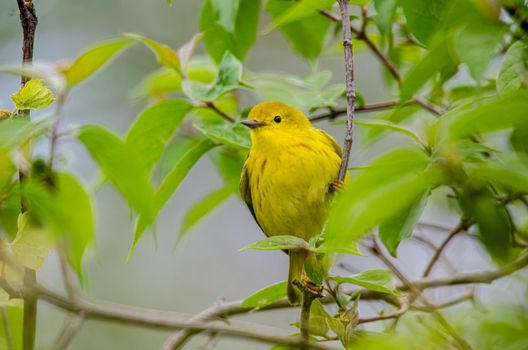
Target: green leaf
<point>488,115</point>
<point>169,186</point>
<point>513,73</point>
<point>436,59</point>
<point>424,17</point>
<point>519,140</point>
<point>314,269</point>
<point>154,127</point>
<point>385,14</point>
<point>383,124</point>
<point>158,84</point>
<point>476,45</point>
<point>492,221</point>
<point>203,207</point>
<point>93,59</point>
<point>164,53</point>
<point>235,136</point>
<point>306,35</point>
<point>229,25</point>
<point>510,173</point>
<point>378,280</point>
<point>391,182</point>
<point>14,132</point>
<point>401,226</point>
<point>228,79</point>
<point>266,296</point>
<point>118,162</point>
<point>278,243</point>
<point>228,163</point>
<point>72,224</point>
<point>300,10</point>
<point>33,95</point>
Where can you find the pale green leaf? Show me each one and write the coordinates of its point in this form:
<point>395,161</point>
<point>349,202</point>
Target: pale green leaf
<point>154,127</point>
<point>235,136</point>
<point>278,243</point>
<point>16,131</point>
<point>266,296</point>
<point>424,17</point>
<point>300,10</point>
<point>164,53</point>
<point>33,95</point>
<point>513,73</point>
<point>93,59</point>
<point>383,124</point>
<point>378,280</point>
<point>118,162</point>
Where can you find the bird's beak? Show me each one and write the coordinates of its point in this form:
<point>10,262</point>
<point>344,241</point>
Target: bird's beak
<point>252,124</point>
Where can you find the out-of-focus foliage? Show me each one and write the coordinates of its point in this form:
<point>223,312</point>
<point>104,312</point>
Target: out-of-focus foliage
<point>446,55</point>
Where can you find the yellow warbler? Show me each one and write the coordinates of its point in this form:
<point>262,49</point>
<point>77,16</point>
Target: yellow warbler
<point>289,177</point>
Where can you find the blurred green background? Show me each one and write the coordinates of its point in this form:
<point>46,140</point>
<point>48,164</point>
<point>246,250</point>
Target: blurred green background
<point>207,266</point>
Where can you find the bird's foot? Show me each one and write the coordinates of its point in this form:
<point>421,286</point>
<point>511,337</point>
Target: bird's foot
<point>337,186</point>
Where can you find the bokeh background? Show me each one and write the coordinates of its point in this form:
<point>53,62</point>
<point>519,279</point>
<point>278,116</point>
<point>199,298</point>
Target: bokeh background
<point>207,266</point>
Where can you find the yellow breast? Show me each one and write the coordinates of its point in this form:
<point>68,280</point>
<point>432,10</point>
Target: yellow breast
<point>289,178</point>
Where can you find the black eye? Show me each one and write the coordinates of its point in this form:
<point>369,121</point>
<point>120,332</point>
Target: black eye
<point>277,119</point>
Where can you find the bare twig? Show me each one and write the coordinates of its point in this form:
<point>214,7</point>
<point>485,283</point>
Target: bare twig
<point>221,113</point>
<point>334,113</point>
<point>349,85</point>
<point>28,20</point>
<point>469,295</point>
<point>462,226</point>
<point>69,329</point>
<point>395,315</point>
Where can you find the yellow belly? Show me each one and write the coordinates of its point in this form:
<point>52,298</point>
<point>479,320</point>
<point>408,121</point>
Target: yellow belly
<point>290,188</point>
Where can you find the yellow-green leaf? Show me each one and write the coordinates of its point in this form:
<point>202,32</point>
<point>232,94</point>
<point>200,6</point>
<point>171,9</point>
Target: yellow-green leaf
<point>33,95</point>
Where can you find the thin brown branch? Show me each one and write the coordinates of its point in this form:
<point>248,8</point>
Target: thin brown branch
<point>349,86</point>
<point>334,113</point>
<point>29,21</point>
<point>221,113</point>
<point>469,295</point>
<point>428,106</point>
<point>395,315</point>
<point>462,226</point>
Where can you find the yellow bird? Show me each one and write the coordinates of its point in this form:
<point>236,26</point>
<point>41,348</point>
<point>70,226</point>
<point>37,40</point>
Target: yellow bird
<point>289,177</point>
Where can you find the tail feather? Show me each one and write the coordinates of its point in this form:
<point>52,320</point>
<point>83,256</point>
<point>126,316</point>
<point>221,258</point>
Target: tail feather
<point>296,269</point>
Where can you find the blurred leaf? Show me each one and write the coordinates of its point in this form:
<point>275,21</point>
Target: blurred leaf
<point>401,226</point>
<point>476,45</point>
<point>510,173</point>
<point>228,163</point>
<point>16,131</point>
<point>186,51</point>
<point>306,35</point>
<point>519,140</point>
<point>385,14</point>
<point>490,114</point>
<point>118,162</point>
<point>204,206</point>
<point>154,127</point>
<point>492,221</point>
<point>169,185</point>
<point>173,153</point>
<point>164,53</point>
<point>514,69</point>
<point>228,79</point>
<point>158,84</point>
<point>235,136</point>
<point>278,243</point>
<point>229,25</point>
<point>301,9</point>
<point>93,59</point>
<point>391,126</point>
<point>33,95</point>
<point>266,296</point>
<point>317,325</point>
<point>378,280</point>
<point>314,269</point>
<point>73,224</point>
<point>391,182</point>
<point>424,17</point>
<point>437,58</point>
<point>14,311</point>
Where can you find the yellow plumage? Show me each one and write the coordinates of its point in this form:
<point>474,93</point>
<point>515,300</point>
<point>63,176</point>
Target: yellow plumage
<point>287,177</point>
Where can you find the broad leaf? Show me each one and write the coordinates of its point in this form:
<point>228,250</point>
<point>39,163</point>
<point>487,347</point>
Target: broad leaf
<point>169,185</point>
<point>164,53</point>
<point>16,131</point>
<point>378,280</point>
<point>383,124</point>
<point>235,136</point>
<point>306,35</point>
<point>401,226</point>
<point>154,127</point>
<point>424,17</point>
<point>514,70</point>
<point>278,243</point>
<point>266,296</point>
<point>33,95</point>
<point>93,59</point>
<point>300,10</point>
<point>121,165</point>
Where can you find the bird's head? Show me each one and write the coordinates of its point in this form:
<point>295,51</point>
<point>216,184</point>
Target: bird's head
<point>275,116</point>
